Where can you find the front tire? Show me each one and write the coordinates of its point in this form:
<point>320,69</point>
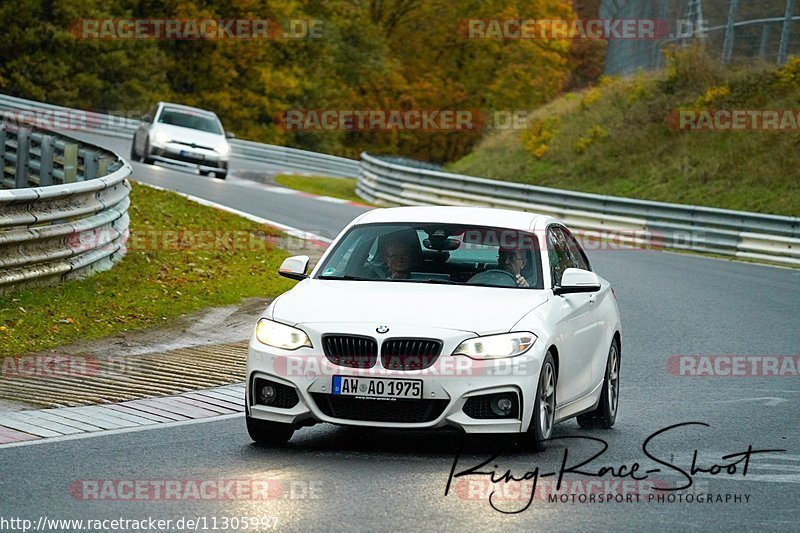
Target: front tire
<point>605,414</point>
<point>134,157</point>
<point>146,153</point>
<point>269,433</point>
<point>544,407</point>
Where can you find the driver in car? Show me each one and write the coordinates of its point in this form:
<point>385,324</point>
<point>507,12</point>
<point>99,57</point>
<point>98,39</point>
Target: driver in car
<point>514,261</point>
<point>398,259</point>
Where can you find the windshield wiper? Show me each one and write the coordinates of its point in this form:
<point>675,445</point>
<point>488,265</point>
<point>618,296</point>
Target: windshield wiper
<point>346,277</point>
<point>358,278</point>
<point>433,281</point>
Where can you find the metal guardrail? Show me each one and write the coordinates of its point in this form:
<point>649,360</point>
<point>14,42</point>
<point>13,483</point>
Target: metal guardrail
<point>296,160</point>
<point>72,222</point>
<point>702,229</point>
<point>35,159</point>
<point>121,127</point>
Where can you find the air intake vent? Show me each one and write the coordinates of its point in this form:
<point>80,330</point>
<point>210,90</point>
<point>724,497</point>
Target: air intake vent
<point>380,410</point>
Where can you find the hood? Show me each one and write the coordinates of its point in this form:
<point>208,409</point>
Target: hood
<point>480,310</point>
<point>188,135</point>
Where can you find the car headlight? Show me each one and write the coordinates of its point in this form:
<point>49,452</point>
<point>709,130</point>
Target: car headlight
<point>223,149</point>
<point>280,335</point>
<point>162,137</point>
<point>497,346</point>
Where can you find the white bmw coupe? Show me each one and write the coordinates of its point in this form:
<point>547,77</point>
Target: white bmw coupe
<point>486,320</point>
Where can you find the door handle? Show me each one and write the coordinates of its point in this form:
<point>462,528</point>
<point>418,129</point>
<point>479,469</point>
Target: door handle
<point>591,298</point>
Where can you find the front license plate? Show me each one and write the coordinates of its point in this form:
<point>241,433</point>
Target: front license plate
<point>377,387</point>
<point>184,153</point>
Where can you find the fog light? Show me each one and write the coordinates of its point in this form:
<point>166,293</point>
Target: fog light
<point>267,395</point>
<point>502,405</point>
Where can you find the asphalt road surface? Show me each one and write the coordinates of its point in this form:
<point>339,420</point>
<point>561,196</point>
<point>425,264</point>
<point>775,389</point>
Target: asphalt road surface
<point>343,479</point>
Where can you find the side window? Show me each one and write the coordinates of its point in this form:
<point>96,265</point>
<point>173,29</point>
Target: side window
<point>558,254</point>
<point>340,262</point>
<point>373,252</point>
<point>579,258</point>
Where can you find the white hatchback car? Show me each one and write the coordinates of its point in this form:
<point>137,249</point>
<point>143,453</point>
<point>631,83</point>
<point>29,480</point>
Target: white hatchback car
<point>486,320</point>
<point>174,133</point>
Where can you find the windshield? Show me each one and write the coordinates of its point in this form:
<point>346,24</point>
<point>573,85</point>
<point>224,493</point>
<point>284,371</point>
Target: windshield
<point>436,254</point>
<point>186,119</point>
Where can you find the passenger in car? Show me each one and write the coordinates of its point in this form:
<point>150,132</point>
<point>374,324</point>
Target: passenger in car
<point>514,261</point>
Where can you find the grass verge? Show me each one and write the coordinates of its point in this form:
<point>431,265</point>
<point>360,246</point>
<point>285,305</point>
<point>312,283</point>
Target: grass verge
<point>344,188</point>
<point>181,257</point>
<point>616,139</point>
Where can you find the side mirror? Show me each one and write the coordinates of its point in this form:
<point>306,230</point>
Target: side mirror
<point>294,267</point>
<point>230,135</point>
<point>575,280</point>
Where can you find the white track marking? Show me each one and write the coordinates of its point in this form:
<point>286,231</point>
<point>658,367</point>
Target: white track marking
<point>333,200</point>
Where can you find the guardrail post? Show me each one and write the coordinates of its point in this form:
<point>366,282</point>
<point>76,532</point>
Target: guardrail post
<point>46,161</point>
<point>89,164</point>
<point>70,162</point>
<point>727,46</point>
<point>102,166</point>
<point>783,48</point>
<point>23,151</point>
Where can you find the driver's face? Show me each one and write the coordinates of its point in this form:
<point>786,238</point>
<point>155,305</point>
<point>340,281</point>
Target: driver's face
<point>398,258</point>
<point>516,262</point>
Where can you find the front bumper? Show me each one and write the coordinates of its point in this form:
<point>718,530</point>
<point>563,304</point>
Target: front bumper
<point>446,386</point>
<point>200,158</point>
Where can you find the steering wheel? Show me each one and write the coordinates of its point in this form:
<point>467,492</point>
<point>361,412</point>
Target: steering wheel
<point>495,276</point>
